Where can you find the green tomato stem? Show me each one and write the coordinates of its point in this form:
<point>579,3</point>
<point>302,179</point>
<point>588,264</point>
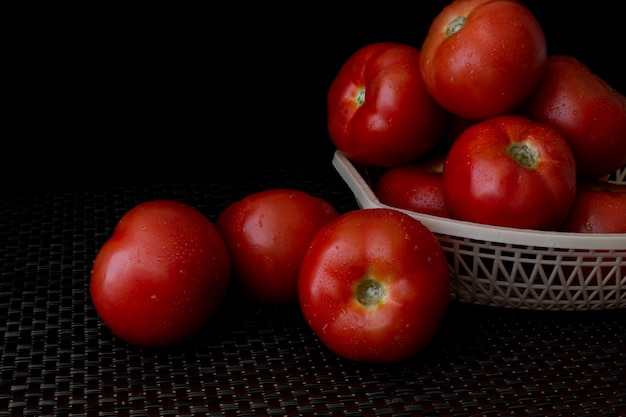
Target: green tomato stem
<point>455,25</point>
<point>525,155</point>
<point>369,292</point>
<point>359,98</point>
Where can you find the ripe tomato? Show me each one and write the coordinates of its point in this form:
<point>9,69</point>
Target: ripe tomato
<point>599,207</point>
<point>586,111</point>
<point>160,276</point>
<point>482,58</point>
<point>267,234</point>
<point>379,112</point>
<point>510,171</point>
<point>374,285</point>
<point>417,187</point>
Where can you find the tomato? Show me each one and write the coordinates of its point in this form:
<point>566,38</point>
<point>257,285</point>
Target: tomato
<point>482,58</point>
<point>589,113</point>
<point>417,187</point>
<point>379,112</point>
<point>510,171</point>
<point>161,275</point>
<point>374,285</point>
<point>267,234</point>
<point>599,207</point>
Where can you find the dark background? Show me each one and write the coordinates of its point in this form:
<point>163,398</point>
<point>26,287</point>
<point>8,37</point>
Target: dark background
<point>106,97</point>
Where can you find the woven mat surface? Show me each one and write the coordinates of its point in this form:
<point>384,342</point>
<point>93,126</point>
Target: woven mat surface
<point>57,358</point>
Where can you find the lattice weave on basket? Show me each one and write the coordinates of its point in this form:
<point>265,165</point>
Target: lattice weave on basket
<point>489,273</point>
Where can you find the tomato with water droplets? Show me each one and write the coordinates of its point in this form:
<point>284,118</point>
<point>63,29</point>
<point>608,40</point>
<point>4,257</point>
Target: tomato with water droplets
<point>374,285</point>
<point>482,58</point>
<point>379,112</point>
<point>161,275</point>
<point>510,171</point>
<point>588,112</point>
<point>267,233</point>
<point>417,187</point>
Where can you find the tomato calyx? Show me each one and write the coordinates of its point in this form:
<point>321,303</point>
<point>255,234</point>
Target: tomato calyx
<point>455,25</point>
<point>359,97</point>
<point>369,292</point>
<point>524,154</point>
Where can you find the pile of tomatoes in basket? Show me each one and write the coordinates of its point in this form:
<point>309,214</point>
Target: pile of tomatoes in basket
<point>510,135</point>
<point>482,125</point>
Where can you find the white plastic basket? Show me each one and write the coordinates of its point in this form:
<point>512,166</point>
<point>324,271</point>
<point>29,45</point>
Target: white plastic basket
<point>519,268</point>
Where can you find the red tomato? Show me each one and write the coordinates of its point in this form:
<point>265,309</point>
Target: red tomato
<point>417,187</point>
<point>267,234</point>
<point>379,113</point>
<point>586,111</point>
<point>374,285</point>
<point>482,58</point>
<point>599,207</point>
<point>160,276</point>
<point>510,171</point>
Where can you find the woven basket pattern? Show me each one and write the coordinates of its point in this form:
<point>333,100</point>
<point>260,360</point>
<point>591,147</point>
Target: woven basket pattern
<point>541,275</point>
<point>506,275</point>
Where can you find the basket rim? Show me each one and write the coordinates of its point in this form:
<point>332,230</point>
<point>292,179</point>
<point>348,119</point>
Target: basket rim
<point>507,235</point>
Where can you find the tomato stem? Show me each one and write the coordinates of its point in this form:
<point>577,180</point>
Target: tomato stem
<point>359,98</point>
<point>525,155</point>
<point>455,25</point>
<point>369,292</point>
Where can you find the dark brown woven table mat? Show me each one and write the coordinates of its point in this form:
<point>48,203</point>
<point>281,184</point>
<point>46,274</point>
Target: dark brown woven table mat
<point>57,358</point>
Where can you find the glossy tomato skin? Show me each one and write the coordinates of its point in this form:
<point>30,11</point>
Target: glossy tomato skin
<point>599,207</point>
<point>161,275</point>
<point>589,113</point>
<point>393,258</point>
<point>485,183</point>
<point>482,58</point>
<point>267,233</point>
<point>417,187</point>
<point>379,113</point>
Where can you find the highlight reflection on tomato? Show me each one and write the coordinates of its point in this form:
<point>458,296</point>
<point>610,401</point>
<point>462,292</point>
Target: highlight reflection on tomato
<point>379,113</point>
<point>589,113</point>
<point>267,233</point>
<point>417,187</point>
<point>374,285</point>
<point>161,275</point>
<point>483,58</point>
<point>510,171</point>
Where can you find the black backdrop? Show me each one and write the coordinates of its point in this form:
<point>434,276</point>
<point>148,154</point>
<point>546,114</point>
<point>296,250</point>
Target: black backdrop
<point>120,96</point>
